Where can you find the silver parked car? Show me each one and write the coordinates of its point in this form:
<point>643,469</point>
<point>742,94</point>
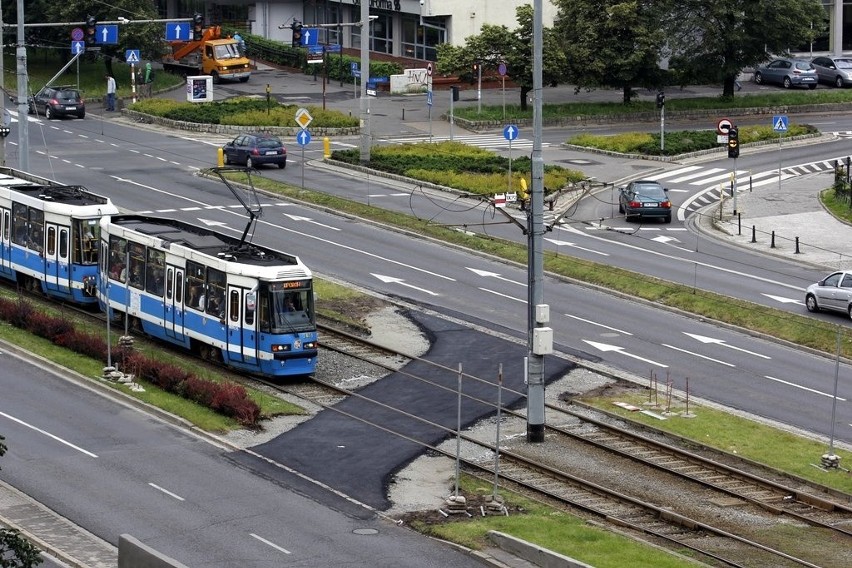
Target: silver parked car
<point>788,73</point>
<point>835,71</point>
<point>834,292</point>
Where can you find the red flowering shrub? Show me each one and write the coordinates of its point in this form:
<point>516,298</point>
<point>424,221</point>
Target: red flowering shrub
<point>228,399</point>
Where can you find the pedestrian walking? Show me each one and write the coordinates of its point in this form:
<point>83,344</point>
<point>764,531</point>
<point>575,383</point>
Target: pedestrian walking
<point>110,94</point>
<point>147,83</point>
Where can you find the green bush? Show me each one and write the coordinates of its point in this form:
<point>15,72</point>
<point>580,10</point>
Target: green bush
<point>679,142</point>
<point>460,166</point>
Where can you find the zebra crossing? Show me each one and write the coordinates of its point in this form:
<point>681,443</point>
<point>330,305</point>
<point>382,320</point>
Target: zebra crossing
<point>713,180</point>
<point>486,141</point>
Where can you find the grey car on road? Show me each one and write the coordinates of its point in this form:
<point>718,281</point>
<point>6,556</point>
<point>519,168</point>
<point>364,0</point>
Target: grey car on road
<point>833,293</point>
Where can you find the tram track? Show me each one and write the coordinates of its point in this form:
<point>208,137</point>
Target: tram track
<point>537,477</point>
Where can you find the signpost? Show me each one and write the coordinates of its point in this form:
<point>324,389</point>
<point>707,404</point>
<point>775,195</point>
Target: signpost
<point>781,125</point>
<point>303,119</point>
<point>501,69</point>
<point>510,132</point>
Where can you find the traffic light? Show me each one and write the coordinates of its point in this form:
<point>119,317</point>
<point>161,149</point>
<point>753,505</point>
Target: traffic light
<point>475,68</point>
<point>91,26</point>
<point>197,27</point>
<point>733,142</point>
<point>661,99</point>
<point>296,26</point>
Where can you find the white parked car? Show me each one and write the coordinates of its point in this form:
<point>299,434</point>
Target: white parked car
<point>834,293</point>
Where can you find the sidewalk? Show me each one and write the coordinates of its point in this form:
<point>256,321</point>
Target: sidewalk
<point>792,212</point>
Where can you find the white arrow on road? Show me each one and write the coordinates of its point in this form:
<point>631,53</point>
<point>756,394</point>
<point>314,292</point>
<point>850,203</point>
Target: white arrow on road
<point>705,339</point>
<point>401,282</point>
<point>309,220</point>
<point>570,244</point>
<point>784,300</point>
<point>606,347</point>
<point>210,223</point>
<point>487,274</point>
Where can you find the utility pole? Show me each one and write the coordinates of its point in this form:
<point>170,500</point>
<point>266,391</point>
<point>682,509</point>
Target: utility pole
<point>365,77</point>
<point>2,93</point>
<point>23,125</point>
<point>540,336</point>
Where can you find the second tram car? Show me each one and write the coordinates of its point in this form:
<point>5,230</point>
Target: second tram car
<point>247,306</point>
<point>49,235</point>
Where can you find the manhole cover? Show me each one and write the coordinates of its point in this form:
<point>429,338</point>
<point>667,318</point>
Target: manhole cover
<point>365,531</point>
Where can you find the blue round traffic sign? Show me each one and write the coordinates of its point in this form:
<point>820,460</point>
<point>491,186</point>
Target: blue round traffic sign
<point>303,138</point>
<point>510,132</point>
<point>501,69</point>
<point>77,34</point>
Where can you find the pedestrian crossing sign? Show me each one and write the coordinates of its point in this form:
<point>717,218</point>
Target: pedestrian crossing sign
<point>779,123</point>
<point>131,55</point>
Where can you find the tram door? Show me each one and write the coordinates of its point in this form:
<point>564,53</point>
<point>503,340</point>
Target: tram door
<point>5,243</point>
<point>236,338</point>
<point>173,304</point>
<point>57,273</point>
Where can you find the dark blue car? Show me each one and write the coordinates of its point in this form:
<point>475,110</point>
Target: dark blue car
<point>252,150</point>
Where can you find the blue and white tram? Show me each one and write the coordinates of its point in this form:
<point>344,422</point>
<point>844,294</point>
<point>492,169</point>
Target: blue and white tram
<point>244,305</point>
<point>49,235</point>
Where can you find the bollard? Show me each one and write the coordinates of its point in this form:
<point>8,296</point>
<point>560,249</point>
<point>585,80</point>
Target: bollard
<point>739,224</point>
<point>403,114</point>
<point>772,242</point>
<point>797,246</point>
<point>753,234</point>
<point>220,157</point>
<point>326,147</point>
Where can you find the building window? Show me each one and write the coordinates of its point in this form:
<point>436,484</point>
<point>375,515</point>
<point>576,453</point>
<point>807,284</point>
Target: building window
<point>419,41</point>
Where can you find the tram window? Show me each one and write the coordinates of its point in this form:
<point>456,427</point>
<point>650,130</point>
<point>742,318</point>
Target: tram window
<point>234,306</point>
<point>251,304</point>
<point>20,224</point>
<point>63,243</point>
<point>6,224</point>
<point>215,293</point>
<point>36,236</point>
<point>85,234</point>
<point>179,288</point>
<point>51,241</point>
<point>155,272</point>
<point>117,258</point>
<point>137,265</point>
<point>195,285</point>
<point>169,288</point>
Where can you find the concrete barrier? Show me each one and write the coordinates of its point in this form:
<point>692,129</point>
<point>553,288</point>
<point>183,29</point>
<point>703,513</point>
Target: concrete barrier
<point>134,554</point>
<point>533,553</point>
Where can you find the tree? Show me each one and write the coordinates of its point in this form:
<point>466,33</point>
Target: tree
<point>145,37</point>
<point>613,43</point>
<point>497,44</point>
<point>15,551</point>
<point>714,40</point>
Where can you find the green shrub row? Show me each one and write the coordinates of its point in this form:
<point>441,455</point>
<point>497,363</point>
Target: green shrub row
<point>242,111</point>
<point>228,399</point>
<point>679,142</point>
<point>460,166</point>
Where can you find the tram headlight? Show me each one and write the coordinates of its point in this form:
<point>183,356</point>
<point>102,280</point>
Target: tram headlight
<point>280,348</point>
<point>309,345</point>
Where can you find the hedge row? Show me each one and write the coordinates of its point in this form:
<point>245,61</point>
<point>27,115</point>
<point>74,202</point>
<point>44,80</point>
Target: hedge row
<point>460,166</point>
<point>228,399</point>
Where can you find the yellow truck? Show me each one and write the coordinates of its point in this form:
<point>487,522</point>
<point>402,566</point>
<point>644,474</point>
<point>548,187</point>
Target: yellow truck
<point>211,55</point>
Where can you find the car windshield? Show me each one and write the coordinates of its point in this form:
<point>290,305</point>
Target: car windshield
<point>803,65</point>
<point>843,63</point>
<point>66,94</point>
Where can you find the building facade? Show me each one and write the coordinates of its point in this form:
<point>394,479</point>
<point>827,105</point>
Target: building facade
<point>401,28</point>
<point>412,28</point>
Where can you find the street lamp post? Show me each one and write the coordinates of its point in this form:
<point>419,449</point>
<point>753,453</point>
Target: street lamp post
<point>365,77</point>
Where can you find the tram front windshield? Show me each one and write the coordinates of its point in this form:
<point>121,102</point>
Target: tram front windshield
<point>290,309</point>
